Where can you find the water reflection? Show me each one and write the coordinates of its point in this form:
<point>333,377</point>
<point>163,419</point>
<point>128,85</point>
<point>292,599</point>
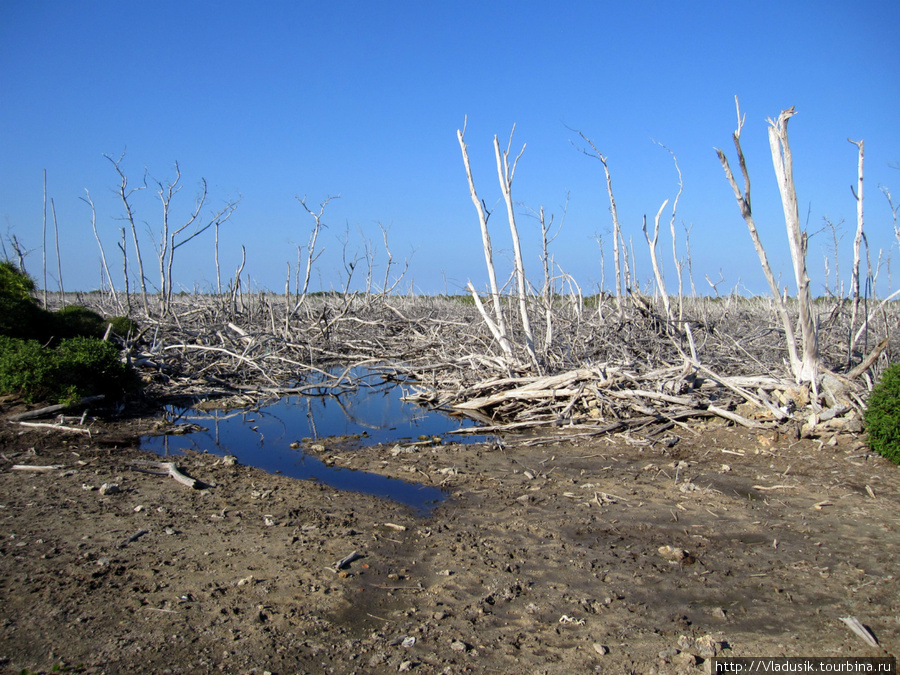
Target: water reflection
<point>262,437</point>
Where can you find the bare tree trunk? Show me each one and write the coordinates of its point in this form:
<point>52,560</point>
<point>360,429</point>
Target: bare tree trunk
<point>62,290</point>
<point>44,239</point>
<point>311,255</point>
<point>797,240</point>
<point>743,200</point>
<point>505,173</point>
<point>857,242</point>
<point>125,194</point>
<point>617,230</point>
<point>678,263</point>
<point>112,289</point>
<point>124,249</point>
<point>657,272</point>
<point>501,333</point>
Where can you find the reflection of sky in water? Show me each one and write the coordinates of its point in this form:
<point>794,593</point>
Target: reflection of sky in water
<point>262,437</point>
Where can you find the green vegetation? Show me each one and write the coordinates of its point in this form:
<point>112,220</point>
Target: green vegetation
<point>883,415</point>
<point>75,320</point>
<point>56,356</point>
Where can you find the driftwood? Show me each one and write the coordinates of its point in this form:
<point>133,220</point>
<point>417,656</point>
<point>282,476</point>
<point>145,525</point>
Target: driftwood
<point>36,467</point>
<point>49,410</point>
<point>60,427</point>
<point>169,469</point>
<point>604,371</point>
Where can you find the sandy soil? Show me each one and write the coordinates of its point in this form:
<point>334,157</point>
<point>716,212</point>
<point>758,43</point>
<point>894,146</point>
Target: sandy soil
<point>546,558</point>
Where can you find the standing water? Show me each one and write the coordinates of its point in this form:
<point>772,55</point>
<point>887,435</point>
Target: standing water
<point>262,437</point>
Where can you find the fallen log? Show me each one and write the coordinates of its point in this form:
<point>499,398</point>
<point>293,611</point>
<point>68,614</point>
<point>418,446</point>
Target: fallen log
<point>169,469</point>
<point>50,409</point>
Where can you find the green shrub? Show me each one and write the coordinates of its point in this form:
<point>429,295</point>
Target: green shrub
<point>14,282</point>
<point>883,415</point>
<point>23,318</point>
<point>124,327</point>
<point>78,367</point>
<point>77,321</point>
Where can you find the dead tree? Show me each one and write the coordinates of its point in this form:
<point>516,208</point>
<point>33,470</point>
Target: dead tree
<point>506,173</point>
<point>311,254</point>
<point>125,195</point>
<point>657,271</point>
<point>169,242</point>
<point>617,230</point>
<point>857,243</point>
<point>805,369</point>
<point>112,289</point>
<point>497,325</point>
<point>797,240</point>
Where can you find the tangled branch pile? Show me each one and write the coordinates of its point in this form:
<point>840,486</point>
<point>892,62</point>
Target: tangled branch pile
<point>600,375</point>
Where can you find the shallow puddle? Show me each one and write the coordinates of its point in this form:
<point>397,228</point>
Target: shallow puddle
<point>262,437</point>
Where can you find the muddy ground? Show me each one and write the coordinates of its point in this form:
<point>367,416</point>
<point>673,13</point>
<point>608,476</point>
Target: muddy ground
<point>545,558</point>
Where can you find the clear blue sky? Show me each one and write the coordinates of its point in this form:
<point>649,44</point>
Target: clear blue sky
<point>273,100</point>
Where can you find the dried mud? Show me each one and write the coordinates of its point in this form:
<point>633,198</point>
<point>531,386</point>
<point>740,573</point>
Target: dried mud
<point>545,558</point>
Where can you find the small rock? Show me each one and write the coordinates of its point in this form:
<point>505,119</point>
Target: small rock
<point>408,642</point>
<point>602,650</point>
<point>459,646</point>
<point>687,659</point>
<point>294,446</point>
<point>406,666</point>
<point>705,647</point>
<point>674,554</point>
<point>85,486</point>
<point>440,615</point>
<point>229,460</point>
<point>110,489</point>
<point>138,508</point>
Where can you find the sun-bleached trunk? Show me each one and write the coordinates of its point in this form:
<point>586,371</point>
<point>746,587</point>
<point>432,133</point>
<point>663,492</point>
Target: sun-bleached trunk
<point>797,241</point>
<point>505,173</point>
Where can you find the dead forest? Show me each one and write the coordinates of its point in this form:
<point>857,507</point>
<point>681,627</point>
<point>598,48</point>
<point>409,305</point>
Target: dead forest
<point>520,356</point>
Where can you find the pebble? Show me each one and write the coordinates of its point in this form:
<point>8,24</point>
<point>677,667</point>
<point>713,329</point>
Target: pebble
<point>602,650</point>
<point>110,489</point>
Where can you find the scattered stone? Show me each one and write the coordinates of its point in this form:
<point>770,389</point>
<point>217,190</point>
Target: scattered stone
<point>138,508</point>
<point>667,654</point>
<point>706,647</point>
<point>687,659</point>
<point>406,666</point>
<point>602,650</point>
<point>110,489</point>
<point>230,460</point>
<point>459,646</point>
<point>675,555</point>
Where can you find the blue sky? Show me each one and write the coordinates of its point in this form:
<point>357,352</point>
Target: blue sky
<point>274,100</point>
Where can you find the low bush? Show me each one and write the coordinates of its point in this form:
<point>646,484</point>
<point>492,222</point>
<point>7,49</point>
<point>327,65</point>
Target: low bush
<point>883,415</point>
<point>14,282</point>
<point>23,318</point>
<point>124,327</point>
<point>78,367</point>
<point>77,321</point>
